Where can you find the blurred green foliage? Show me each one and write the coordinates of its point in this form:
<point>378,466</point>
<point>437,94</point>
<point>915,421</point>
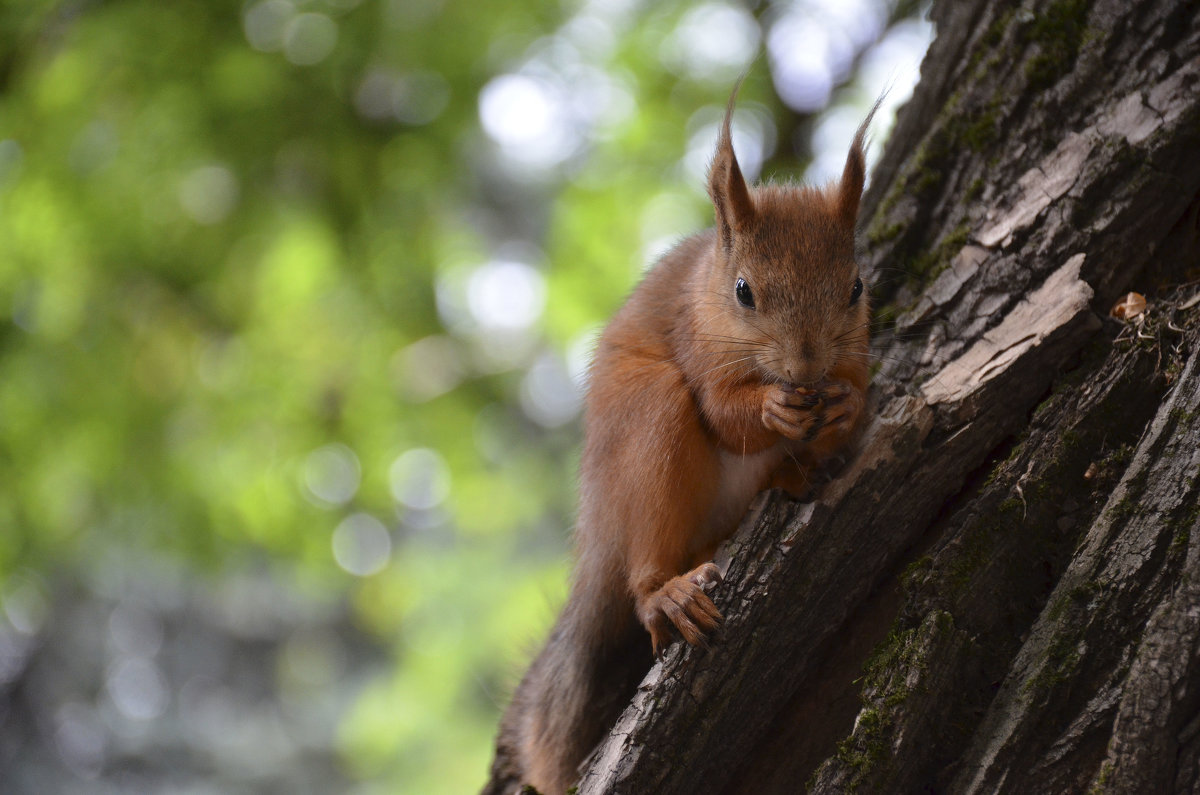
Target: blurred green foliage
<point>227,285</point>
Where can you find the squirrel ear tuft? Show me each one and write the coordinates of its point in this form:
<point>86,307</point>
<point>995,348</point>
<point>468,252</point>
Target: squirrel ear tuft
<point>854,174</point>
<point>726,186</point>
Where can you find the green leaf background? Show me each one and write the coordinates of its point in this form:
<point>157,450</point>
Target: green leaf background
<point>228,291</point>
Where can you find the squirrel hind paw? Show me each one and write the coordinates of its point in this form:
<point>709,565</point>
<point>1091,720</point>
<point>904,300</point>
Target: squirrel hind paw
<point>705,574</point>
<point>682,605</point>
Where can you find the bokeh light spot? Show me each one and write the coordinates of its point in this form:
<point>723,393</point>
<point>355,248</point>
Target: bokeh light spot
<point>309,38</point>
<point>362,545</point>
<point>420,479</point>
<point>265,23</point>
<point>10,160</point>
<point>332,474</point>
<point>799,50</point>
<point>713,41</point>
<point>549,395</point>
<point>506,295</point>
<point>415,98</point>
<point>25,604</point>
<point>137,688</point>
<point>93,148</point>
<point>427,368</point>
<point>135,631</point>
<point>14,653</point>
<point>208,194</point>
<point>526,117</point>
<point>79,738</point>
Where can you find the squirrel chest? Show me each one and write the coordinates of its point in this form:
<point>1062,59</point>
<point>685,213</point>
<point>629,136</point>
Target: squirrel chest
<point>740,477</point>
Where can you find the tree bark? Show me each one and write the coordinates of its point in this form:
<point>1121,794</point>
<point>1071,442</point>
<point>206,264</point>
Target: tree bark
<point>1000,591</point>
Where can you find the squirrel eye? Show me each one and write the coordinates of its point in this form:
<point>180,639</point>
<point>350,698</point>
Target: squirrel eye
<point>856,292</point>
<point>744,296</point>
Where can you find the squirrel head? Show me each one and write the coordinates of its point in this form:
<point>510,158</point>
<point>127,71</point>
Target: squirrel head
<point>784,282</point>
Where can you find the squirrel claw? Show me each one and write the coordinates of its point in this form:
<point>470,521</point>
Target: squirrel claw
<point>705,574</point>
<point>842,410</point>
<point>682,605</point>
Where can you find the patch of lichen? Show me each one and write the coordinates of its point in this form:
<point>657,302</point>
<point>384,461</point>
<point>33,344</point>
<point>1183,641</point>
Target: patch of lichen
<point>1180,526</point>
<point>1091,358</point>
<point>885,689</point>
<point>977,547</point>
<point>1130,504</point>
<point>1009,535</point>
<point>888,674</point>
<point>922,180</point>
<point>995,32</point>
<point>976,125</point>
<point>1101,785</point>
<point>861,752</point>
<point>959,128</point>
<point>975,550</point>
<point>1057,663</point>
<point>915,574</point>
<point>1077,596</point>
<point>982,130</point>
<point>1024,494</point>
<point>1058,31</point>
<point>975,189</point>
<point>926,267</point>
<point>881,665</point>
<point>882,231</point>
<point>971,124</point>
<point>935,153</point>
<point>884,316</point>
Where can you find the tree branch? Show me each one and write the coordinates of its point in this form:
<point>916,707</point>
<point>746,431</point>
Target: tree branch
<point>1020,195</point>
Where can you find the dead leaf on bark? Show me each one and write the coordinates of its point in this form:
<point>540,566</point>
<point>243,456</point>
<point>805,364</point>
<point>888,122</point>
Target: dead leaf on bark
<point>1129,306</point>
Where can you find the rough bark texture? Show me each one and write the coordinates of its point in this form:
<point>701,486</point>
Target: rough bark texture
<point>1000,592</point>
<point>1045,638</point>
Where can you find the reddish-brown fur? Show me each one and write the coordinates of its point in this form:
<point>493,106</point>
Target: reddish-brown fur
<point>696,403</point>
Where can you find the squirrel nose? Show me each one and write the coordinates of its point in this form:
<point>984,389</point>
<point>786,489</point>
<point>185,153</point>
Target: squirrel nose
<point>805,370</point>
<point>797,374</point>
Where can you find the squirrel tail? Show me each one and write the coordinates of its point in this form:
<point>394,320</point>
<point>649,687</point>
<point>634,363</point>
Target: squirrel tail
<point>573,692</point>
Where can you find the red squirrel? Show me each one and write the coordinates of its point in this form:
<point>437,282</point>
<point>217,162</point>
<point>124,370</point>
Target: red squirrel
<point>740,362</point>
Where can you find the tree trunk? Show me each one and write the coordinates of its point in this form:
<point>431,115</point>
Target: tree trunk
<point>1000,591</point>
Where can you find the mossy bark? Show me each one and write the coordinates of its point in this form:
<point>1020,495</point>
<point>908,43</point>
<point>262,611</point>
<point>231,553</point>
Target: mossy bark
<point>999,591</point>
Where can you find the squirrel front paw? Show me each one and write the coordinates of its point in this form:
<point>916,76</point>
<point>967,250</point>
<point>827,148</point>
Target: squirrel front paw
<point>811,414</point>
<point>841,407</point>
<point>793,412</point>
<point>681,603</point>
